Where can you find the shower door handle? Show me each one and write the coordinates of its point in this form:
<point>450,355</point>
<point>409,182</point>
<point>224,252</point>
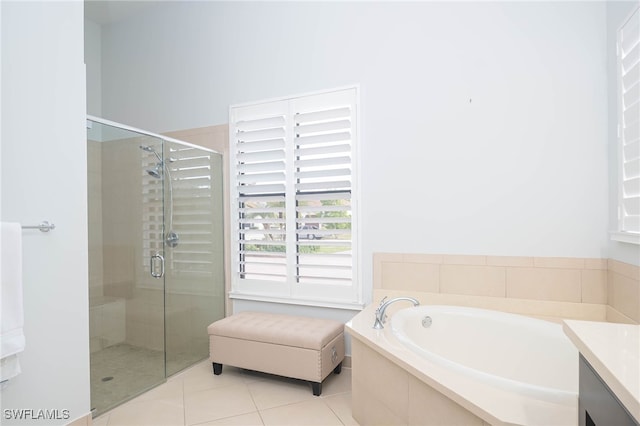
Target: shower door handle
<point>157,257</point>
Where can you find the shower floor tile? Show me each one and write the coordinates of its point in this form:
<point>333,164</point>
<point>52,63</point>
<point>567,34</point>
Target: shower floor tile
<point>122,371</point>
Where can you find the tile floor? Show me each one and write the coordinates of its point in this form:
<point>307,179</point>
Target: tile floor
<point>236,397</point>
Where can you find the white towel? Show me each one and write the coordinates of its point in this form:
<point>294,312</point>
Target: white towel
<point>11,315</point>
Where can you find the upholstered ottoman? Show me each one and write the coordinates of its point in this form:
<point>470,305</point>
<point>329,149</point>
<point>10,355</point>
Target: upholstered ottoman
<point>292,346</point>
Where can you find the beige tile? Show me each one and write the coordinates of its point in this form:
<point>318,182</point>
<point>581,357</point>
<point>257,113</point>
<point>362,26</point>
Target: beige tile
<point>410,276</point>
<point>312,412</point>
<point>544,284</point>
<point>514,261</point>
<point>337,383</point>
<point>594,286</point>
<point>460,259</point>
<point>251,419</point>
<point>474,280</point>
<point>387,257</point>
<point>341,406</point>
<point>626,269</point>
<point>201,377</point>
<point>429,407</point>
<point>377,271</point>
<point>170,395</point>
<point>379,262</point>
<point>102,420</point>
<point>423,258</point>
<point>595,263</point>
<point>370,411</point>
<point>559,262</point>
<point>614,315</point>
<point>147,413</point>
<point>219,403</point>
<point>278,392</point>
<point>623,294</point>
<point>374,372</point>
<point>170,392</point>
<point>346,362</point>
<point>82,421</point>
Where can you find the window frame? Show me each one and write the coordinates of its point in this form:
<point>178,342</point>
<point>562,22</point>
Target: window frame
<point>621,234</point>
<point>291,291</point>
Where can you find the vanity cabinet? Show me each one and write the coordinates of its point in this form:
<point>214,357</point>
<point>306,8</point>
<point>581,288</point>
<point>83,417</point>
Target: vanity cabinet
<point>597,404</point>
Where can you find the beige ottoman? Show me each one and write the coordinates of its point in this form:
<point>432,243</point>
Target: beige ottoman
<point>292,346</point>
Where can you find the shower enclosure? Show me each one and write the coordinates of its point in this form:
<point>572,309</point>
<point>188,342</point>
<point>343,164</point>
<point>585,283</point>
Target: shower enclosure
<point>156,276</point>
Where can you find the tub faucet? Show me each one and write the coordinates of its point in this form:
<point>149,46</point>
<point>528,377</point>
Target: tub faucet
<point>380,315</point>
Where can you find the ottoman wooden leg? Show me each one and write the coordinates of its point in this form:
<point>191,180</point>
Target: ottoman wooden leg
<point>338,368</point>
<point>217,368</point>
<point>317,388</point>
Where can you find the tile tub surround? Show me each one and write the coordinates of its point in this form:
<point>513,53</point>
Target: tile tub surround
<point>578,288</point>
<point>425,393</point>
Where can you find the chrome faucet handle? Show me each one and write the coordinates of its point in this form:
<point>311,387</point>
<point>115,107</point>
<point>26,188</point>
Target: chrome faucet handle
<point>380,307</point>
<point>381,310</point>
<point>380,315</point>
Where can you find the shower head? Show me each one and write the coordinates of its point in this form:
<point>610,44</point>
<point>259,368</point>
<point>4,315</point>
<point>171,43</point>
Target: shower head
<point>156,172</point>
<point>171,238</point>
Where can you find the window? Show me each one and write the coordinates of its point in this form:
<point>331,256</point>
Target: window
<point>294,212</point>
<point>629,130</point>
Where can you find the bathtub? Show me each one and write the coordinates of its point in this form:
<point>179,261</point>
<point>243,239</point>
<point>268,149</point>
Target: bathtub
<point>514,352</point>
<point>498,368</point>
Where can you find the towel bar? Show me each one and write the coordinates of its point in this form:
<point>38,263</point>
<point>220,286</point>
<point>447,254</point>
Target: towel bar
<point>43,227</point>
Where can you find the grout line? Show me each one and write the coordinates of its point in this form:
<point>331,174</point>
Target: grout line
<point>260,415</point>
<point>246,385</point>
<point>184,404</point>
<point>334,413</point>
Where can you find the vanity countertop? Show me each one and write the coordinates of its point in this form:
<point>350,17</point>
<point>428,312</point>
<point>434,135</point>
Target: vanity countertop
<point>613,350</point>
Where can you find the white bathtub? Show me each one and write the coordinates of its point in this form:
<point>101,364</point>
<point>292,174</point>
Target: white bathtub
<point>477,366</point>
<point>516,353</point>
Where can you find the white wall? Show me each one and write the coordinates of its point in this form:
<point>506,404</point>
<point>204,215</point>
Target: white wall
<point>44,178</point>
<point>484,125</point>
<point>93,61</point>
<point>617,13</point>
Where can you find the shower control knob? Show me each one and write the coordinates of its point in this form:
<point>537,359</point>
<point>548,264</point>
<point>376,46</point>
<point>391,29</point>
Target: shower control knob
<point>172,239</point>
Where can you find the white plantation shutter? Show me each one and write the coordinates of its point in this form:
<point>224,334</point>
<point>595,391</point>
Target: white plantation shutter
<point>293,176</point>
<point>323,195</point>
<point>192,201</point>
<point>259,148</point>
<point>629,131</point>
<point>152,212</point>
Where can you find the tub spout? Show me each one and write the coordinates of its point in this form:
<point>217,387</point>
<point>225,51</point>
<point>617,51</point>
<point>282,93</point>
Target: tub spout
<point>384,303</point>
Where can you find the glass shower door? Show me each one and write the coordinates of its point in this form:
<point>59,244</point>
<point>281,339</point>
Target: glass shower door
<point>194,276</point>
<point>156,276</point>
<point>126,216</point>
